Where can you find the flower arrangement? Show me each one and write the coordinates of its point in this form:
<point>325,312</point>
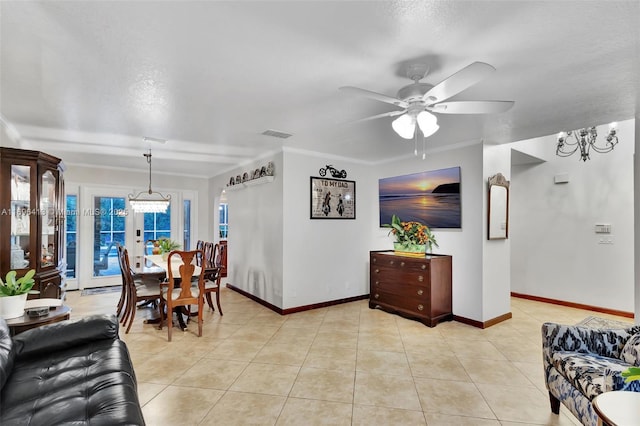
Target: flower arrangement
<point>14,287</point>
<point>411,233</point>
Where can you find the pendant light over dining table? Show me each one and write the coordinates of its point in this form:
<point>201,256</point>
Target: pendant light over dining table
<point>149,201</point>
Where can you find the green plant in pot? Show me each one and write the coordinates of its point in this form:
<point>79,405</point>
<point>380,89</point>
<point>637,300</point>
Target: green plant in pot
<point>13,293</point>
<point>412,238</point>
<point>167,245</point>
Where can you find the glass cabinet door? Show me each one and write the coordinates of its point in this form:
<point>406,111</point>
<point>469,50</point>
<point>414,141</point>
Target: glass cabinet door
<point>48,217</point>
<point>20,216</point>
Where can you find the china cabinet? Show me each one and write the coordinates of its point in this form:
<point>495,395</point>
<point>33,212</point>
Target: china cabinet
<point>32,218</point>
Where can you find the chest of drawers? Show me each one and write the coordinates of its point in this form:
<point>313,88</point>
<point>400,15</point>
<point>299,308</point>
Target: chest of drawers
<point>418,288</point>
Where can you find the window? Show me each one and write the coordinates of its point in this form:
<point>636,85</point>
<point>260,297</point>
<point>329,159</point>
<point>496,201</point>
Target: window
<point>157,225</point>
<point>109,230</point>
<point>186,243</point>
<point>71,237</point>
<point>224,217</point>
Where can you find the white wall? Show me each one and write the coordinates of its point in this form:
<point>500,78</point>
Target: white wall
<point>465,244</point>
<point>554,249</point>
<point>255,241</point>
<point>324,259</point>
<point>496,254</point>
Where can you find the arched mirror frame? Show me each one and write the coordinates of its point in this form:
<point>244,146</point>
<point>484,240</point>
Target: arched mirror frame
<point>498,208</point>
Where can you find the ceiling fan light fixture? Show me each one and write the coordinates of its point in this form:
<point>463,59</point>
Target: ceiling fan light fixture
<point>404,126</point>
<point>428,123</point>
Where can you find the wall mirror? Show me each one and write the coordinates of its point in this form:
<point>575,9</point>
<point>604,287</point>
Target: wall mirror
<point>498,207</point>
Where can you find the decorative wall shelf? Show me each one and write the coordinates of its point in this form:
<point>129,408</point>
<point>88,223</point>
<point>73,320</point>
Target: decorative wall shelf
<point>252,182</point>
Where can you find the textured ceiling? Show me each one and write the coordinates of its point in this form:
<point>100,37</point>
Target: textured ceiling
<point>86,81</point>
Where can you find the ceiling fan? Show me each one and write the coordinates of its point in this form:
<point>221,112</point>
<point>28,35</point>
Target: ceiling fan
<point>419,100</point>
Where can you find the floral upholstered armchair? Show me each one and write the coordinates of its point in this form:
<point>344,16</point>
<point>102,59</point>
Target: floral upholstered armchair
<point>581,363</point>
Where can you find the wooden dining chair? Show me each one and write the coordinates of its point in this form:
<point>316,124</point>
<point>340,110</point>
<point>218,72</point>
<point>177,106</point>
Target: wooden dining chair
<point>136,291</point>
<point>178,291</point>
<point>212,275</point>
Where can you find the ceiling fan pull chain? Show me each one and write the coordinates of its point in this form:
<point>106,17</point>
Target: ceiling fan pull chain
<point>415,143</point>
<point>423,147</point>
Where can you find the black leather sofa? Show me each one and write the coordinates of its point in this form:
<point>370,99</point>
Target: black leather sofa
<point>72,372</point>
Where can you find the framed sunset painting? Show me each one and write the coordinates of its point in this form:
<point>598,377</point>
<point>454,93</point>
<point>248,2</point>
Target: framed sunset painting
<point>432,198</point>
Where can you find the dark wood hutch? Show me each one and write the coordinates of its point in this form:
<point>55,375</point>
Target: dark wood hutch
<point>32,218</point>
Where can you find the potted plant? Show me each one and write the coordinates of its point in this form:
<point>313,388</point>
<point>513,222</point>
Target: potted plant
<point>167,245</point>
<point>412,238</point>
<point>13,293</point>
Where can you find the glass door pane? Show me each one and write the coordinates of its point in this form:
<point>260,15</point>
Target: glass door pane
<point>71,235</point>
<point>48,213</point>
<point>109,230</point>
<point>20,216</point>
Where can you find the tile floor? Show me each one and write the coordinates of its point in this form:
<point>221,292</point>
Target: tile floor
<point>342,365</point>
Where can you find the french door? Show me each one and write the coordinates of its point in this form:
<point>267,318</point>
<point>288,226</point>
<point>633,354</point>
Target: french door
<point>107,221</point>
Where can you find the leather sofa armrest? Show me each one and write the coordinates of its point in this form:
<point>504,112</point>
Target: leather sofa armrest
<point>65,334</point>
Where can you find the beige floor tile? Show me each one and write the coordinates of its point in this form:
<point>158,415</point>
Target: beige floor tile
<point>239,409</point>
<point>475,349</point>
<point>331,358</point>
<point>282,353</point>
<point>326,385</point>
<point>264,378</point>
<point>380,341</point>
<point>212,374</point>
<point>436,419</point>
<point>379,362</point>
<point>452,397</point>
<point>386,391</point>
<point>365,415</point>
<point>441,366</point>
<point>178,405</point>
<point>506,402</point>
<point>163,368</point>
<point>147,391</point>
<point>306,412</point>
<point>494,372</point>
<point>236,350</point>
<point>431,364</point>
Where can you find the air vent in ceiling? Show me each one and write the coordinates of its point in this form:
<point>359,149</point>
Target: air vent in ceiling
<point>276,134</point>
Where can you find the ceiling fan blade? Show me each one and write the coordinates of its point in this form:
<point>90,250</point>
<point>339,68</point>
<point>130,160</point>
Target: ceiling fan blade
<point>463,79</point>
<point>471,107</point>
<point>374,95</point>
<point>384,114</point>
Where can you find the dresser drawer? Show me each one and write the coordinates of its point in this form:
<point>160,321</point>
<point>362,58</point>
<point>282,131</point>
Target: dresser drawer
<point>398,276</point>
<point>400,263</point>
<point>420,307</point>
<point>417,290</point>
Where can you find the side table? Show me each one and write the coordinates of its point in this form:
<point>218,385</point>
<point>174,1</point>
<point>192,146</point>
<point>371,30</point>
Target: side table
<point>25,322</point>
<point>618,408</point>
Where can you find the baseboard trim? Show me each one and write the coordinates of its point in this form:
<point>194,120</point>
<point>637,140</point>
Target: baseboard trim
<point>574,305</point>
<point>297,308</point>
<point>483,324</point>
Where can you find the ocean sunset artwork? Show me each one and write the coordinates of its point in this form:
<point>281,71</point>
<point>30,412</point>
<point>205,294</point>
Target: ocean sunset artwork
<point>432,198</point>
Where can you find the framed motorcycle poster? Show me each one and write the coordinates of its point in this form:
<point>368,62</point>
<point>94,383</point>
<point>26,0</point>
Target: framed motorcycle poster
<point>333,198</point>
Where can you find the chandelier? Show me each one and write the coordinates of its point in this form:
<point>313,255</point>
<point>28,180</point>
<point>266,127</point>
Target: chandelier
<point>585,140</point>
<point>149,201</point>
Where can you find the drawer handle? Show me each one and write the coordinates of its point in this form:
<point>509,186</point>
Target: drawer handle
<point>420,292</point>
<point>374,260</point>
<point>420,278</point>
<point>401,263</point>
<point>424,266</point>
<point>391,262</point>
<point>420,307</point>
<point>377,282</point>
<point>377,271</point>
<point>376,296</point>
